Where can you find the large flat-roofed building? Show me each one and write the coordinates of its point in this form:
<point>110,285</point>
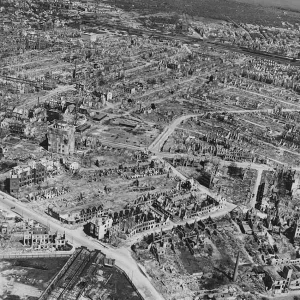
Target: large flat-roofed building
<point>61,138</point>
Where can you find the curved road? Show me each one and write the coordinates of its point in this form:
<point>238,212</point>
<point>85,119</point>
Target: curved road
<point>169,129</point>
<point>121,255</point>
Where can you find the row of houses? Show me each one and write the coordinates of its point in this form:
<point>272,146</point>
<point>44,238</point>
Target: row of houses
<point>128,171</point>
<point>127,226</point>
<point>141,218</point>
<point>48,193</point>
<point>75,215</point>
<point>80,214</point>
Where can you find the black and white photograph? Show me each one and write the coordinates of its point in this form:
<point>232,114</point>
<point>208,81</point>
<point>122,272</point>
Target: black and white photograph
<point>150,150</point>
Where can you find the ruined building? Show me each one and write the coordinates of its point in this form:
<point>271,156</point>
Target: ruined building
<point>21,176</point>
<point>39,238</point>
<point>61,138</point>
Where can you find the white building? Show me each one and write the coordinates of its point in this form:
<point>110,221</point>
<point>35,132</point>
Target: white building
<point>297,231</point>
<point>99,226</point>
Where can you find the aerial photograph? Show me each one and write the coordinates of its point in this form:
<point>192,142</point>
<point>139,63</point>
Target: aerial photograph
<point>149,150</point>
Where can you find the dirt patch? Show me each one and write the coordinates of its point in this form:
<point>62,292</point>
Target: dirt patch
<point>23,278</point>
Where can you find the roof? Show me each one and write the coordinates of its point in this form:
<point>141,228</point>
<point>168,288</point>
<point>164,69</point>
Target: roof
<point>83,127</point>
<point>126,122</point>
<point>99,116</point>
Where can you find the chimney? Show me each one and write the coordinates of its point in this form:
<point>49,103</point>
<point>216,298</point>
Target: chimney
<point>235,274</point>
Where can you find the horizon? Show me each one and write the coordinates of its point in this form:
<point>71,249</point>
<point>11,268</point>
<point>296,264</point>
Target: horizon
<point>286,4</point>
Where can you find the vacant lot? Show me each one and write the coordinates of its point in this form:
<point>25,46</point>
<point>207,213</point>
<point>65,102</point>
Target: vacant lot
<point>27,277</point>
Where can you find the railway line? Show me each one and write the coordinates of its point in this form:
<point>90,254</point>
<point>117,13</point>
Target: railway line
<point>192,40</point>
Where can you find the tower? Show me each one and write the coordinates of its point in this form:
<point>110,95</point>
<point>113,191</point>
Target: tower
<point>236,267</point>
<point>61,138</point>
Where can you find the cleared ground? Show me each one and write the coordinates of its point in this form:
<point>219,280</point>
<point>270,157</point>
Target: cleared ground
<point>27,277</point>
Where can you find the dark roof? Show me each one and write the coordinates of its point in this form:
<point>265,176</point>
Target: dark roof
<point>128,123</point>
<point>99,116</point>
<point>83,127</point>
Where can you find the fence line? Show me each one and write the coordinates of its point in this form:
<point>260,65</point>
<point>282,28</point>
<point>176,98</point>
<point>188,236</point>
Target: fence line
<point>14,256</point>
<point>51,286</point>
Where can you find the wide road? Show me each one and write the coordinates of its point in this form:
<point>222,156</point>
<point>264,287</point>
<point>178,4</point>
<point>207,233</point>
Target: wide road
<point>122,255</point>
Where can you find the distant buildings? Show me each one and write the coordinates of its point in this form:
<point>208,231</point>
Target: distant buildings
<point>16,128</point>
<point>90,37</point>
<point>130,89</point>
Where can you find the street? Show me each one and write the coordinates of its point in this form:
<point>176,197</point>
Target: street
<point>122,255</point>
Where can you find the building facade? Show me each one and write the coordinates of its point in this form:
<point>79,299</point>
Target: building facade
<point>61,138</point>
<point>98,227</point>
<point>39,238</point>
<point>75,215</point>
<point>28,175</point>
